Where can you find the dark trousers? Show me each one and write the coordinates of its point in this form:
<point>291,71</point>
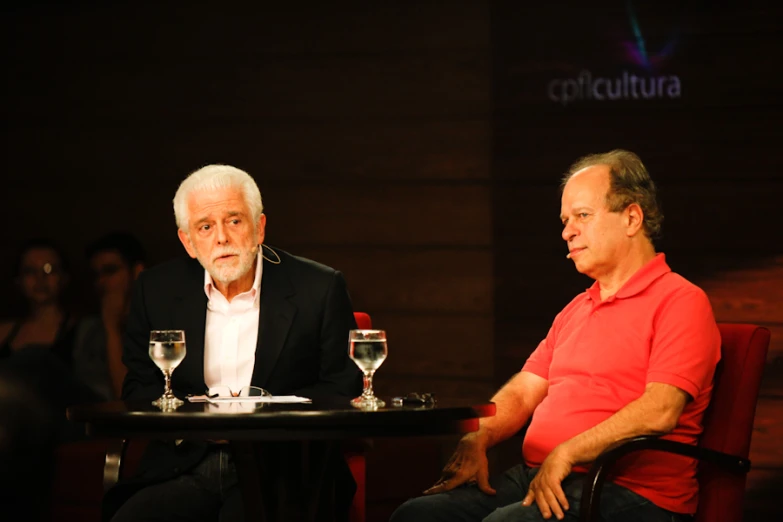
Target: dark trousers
<point>469,504</point>
<point>295,481</point>
<point>209,492</point>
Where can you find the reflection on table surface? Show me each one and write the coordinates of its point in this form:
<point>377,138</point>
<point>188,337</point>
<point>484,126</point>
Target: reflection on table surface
<point>323,418</point>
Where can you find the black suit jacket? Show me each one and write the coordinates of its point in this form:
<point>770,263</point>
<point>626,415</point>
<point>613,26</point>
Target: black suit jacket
<point>302,348</point>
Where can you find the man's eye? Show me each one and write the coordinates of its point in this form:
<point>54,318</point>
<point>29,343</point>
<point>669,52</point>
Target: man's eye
<point>583,214</point>
<point>234,221</point>
<point>205,227</point>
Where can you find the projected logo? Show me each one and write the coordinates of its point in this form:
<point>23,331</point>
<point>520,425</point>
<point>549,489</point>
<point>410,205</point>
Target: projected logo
<point>640,84</point>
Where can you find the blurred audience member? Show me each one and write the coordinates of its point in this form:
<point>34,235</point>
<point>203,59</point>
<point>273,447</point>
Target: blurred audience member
<point>37,347</point>
<point>115,260</point>
<point>41,274</point>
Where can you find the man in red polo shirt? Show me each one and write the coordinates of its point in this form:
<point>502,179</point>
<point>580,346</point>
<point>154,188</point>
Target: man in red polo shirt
<point>632,355</point>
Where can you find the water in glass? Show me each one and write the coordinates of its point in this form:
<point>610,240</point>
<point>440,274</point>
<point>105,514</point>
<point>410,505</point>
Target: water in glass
<point>167,350</point>
<point>367,348</point>
<point>167,354</point>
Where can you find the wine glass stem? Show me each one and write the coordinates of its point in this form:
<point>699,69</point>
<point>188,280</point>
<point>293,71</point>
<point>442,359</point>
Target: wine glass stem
<point>367,392</point>
<point>167,390</point>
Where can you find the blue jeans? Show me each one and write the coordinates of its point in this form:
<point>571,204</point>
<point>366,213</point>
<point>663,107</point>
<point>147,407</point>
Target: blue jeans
<point>209,492</point>
<point>468,504</point>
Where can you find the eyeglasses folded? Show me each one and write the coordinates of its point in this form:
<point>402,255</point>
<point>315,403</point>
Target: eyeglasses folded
<point>415,399</point>
<point>245,391</point>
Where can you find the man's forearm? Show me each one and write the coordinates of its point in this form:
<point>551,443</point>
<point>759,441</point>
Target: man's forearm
<point>515,403</point>
<point>654,413</point>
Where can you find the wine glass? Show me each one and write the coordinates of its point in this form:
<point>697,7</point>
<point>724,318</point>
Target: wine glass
<point>167,349</point>
<point>368,350</point>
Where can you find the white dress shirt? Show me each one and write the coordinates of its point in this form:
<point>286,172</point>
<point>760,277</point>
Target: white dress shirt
<point>231,334</point>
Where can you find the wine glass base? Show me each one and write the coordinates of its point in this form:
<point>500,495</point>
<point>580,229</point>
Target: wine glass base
<point>367,403</point>
<point>168,403</point>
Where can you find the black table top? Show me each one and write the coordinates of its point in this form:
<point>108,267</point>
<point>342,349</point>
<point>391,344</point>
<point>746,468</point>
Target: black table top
<point>321,419</point>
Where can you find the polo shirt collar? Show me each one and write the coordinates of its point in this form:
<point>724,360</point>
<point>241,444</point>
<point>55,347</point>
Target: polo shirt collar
<point>638,282</point>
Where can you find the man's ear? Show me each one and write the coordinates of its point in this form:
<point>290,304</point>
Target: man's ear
<point>634,219</point>
<point>261,229</point>
<point>185,240</point>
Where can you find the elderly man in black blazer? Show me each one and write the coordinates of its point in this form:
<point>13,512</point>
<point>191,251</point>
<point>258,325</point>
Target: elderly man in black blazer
<point>252,315</point>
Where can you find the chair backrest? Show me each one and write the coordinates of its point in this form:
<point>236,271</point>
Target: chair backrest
<point>363,321</point>
<point>728,422</point>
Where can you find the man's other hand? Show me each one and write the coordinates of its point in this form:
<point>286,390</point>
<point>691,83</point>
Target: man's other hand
<point>467,464</point>
<point>546,489</point>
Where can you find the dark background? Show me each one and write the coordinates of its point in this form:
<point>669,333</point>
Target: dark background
<point>413,146</point>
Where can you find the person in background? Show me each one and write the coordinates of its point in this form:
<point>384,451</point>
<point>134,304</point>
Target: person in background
<point>253,315</point>
<point>633,355</point>
<point>41,275</point>
<point>115,261</point>
<point>37,347</point>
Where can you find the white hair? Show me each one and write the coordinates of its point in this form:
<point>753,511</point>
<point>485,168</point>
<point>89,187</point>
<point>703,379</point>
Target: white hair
<point>214,177</point>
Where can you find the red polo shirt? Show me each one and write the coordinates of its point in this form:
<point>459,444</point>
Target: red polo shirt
<point>599,356</point>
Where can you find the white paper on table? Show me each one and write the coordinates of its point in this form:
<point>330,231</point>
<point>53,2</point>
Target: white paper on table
<point>279,399</point>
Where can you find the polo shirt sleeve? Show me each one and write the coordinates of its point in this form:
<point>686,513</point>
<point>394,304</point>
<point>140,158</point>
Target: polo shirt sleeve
<point>686,343</point>
<point>539,361</point>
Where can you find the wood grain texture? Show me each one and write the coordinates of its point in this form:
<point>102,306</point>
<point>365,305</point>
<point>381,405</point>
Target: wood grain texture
<point>453,346</point>
<point>762,497</point>
<point>415,281</point>
<point>766,450</point>
<point>365,152</point>
<point>392,214</point>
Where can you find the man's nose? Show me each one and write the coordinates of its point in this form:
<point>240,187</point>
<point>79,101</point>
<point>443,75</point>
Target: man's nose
<point>222,237</point>
<point>569,231</point>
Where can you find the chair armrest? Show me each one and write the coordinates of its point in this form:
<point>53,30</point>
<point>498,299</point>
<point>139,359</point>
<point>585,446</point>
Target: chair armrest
<point>596,476</point>
<point>112,466</point>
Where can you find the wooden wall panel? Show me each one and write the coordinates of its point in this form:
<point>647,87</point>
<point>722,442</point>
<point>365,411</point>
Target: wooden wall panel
<point>280,89</point>
<point>762,500</point>
<point>749,295</point>
<point>393,214</point>
<point>361,152</point>
<point>167,31</point>
<point>416,346</point>
<point>765,450</point>
<point>413,281</point>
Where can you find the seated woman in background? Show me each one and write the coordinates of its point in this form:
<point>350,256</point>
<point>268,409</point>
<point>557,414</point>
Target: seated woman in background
<point>38,345</point>
<point>41,274</point>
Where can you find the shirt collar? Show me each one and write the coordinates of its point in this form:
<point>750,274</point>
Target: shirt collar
<point>255,290</point>
<point>638,282</point>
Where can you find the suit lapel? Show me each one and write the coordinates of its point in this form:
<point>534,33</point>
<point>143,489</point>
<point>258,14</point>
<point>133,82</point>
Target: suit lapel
<point>275,317</point>
<point>190,314</point>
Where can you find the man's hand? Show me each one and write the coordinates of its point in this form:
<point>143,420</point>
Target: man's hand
<point>546,489</point>
<point>467,464</point>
